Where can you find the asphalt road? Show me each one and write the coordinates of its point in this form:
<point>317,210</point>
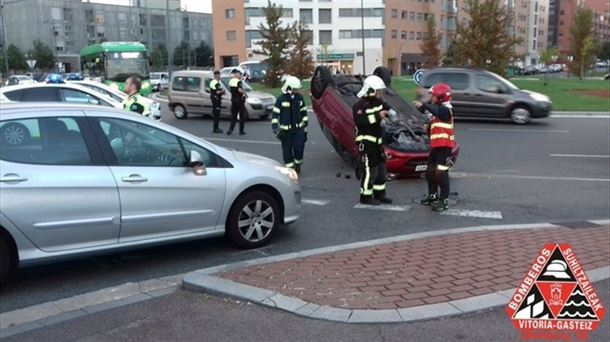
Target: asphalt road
<point>185,316</point>
<point>520,171</point>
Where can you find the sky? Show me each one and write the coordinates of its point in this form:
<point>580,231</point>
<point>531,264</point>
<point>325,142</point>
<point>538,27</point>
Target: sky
<point>191,5</point>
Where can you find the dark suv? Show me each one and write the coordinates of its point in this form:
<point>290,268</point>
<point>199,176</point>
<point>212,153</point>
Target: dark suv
<point>480,93</point>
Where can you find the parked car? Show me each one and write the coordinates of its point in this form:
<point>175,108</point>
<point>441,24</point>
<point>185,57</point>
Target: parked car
<point>119,96</point>
<point>256,70</point>
<point>530,70</point>
<point>228,72</point>
<point>406,137</point>
<point>19,79</point>
<point>81,179</point>
<point>480,93</point>
<point>159,80</point>
<point>189,93</point>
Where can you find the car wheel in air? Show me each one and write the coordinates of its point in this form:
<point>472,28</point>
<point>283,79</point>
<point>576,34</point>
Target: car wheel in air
<point>320,80</point>
<point>520,115</point>
<point>385,74</point>
<point>180,112</point>
<point>15,134</point>
<point>253,219</point>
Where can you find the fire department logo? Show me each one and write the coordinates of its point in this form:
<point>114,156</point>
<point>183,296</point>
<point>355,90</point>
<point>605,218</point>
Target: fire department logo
<point>556,300</point>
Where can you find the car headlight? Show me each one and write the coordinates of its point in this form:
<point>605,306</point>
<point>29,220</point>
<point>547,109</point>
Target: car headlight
<point>540,97</point>
<point>291,173</point>
<point>254,100</point>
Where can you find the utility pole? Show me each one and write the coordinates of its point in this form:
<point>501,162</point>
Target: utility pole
<point>362,26</point>
<point>4,47</point>
<point>170,55</point>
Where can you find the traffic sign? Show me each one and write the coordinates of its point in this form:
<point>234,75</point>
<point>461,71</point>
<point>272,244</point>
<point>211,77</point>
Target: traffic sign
<point>417,76</point>
<point>31,63</point>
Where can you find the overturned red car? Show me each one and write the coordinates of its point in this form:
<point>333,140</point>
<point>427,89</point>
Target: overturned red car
<point>406,136</point>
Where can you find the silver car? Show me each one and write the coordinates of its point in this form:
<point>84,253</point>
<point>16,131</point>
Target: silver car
<point>80,179</point>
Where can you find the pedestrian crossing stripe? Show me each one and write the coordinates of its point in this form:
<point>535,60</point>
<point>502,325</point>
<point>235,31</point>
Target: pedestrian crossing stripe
<point>557,294</point>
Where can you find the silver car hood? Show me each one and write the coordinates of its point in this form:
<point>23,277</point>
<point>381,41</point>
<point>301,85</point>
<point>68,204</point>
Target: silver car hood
<point>261,95</point>
<point>255,159</point>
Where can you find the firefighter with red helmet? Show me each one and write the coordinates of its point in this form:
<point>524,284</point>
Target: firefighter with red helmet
<point>442,142</point>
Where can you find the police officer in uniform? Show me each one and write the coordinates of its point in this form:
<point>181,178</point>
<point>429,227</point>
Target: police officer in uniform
<point>216,92</point>
<point>133,102</point>
<point>442,141</point>
<point>368,113</point>
<point>238,101</point>
<point>289,123</point>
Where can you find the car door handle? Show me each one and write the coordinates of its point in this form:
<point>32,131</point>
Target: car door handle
<point>135,178</point>
<point>12,178</point>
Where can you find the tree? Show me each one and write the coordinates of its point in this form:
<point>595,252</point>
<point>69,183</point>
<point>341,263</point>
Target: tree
<point>301,59</point>
<point>274,43</point>
<point>450,59</point>
<point>604,51</point>
<point>182,54</point>
<point>430,45</point>
<point>159,57</point>
<point>581,41</point>
<point>16,59</point>
<point>548,56</point>
<point>485,41</point>
<point>204,55</point>
<point>44,56</point>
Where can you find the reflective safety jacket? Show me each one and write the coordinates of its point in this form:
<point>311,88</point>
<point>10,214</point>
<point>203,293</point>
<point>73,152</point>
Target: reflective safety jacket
<point>369,133</point>
<point>289,113</point>
<point>136,104</point>
<point>215,90</point>
<point>442,133</point>
<point>234,85</point>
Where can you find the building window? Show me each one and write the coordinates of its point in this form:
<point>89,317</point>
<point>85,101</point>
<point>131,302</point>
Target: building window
<point>368,12</point>
<point>230,13</point>
<point>411,15</point>
<point>231,35</point>
<point>325,16</point>
<point>326,37</point>
<point>252,35</point>
<point>287,13</point>
<point>306,16</point>
<point>418,36</point>
<point>419,16</point>
<point>411,35</point>
<point>394,33</point>
<point>394,13</point>
<point>403,35</point>
<point>403,14</point>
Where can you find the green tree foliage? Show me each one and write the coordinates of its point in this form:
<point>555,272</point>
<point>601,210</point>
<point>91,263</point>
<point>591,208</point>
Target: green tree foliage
<point>581,41</point>
<point>274,42</point>
<point>158,57</point>
<point>204,55</point>
<point>449,59</point>
<point>430,45</point>
<point>43,54</point>
<point>548,57</point>
<point>301,59</point>
<point>604,51</point>
<point>182,54</point>
<point>16,59</point>
<point>485,42</point>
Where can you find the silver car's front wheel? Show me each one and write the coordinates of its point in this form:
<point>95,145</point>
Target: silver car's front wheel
<point>180,112</point>
<point>520,115</point>
<point>253,219</point>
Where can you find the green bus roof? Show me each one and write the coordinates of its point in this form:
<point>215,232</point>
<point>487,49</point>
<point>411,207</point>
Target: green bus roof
<point>112,47</point>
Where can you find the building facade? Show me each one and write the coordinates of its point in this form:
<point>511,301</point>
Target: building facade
<point>564,21</point>
<point>69,25</point>
<point>531,24</point>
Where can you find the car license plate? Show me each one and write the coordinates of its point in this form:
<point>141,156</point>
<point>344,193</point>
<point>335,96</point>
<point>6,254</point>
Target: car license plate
<point>421,168</point>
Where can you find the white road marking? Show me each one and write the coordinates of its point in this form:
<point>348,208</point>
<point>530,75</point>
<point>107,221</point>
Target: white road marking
<point>490,175</point>
<point>243,141</point>
<point>315,202</point>
<point>580,155</point>
<point>473,213</point>
<point>581,116</point>
<point>518,130</point>
<point>385,207</point>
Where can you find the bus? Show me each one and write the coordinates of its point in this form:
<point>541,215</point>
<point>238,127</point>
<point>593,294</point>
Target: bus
<point>113,62</point>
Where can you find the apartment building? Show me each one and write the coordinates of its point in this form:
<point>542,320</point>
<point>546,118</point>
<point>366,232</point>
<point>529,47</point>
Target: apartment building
<point>69,25</point>
<point>564,21</point>
<point>530,23</point>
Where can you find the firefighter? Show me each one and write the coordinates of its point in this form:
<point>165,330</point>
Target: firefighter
<point>133,102</point>
<point>368,113</point>
<point>442,141</point>
<point>289,123</point>
<point>216,92</point>
<point>238,101</point>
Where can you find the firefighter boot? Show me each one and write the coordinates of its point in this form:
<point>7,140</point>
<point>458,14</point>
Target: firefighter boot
<point>429,200</point>
<point>381,197</point>
<point>441,205</point>
<point>368,200</point>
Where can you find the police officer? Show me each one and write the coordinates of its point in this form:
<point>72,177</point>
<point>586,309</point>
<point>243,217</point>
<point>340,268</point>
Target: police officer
<point>216,92</point>
<point>368,113</point>
<point>134,103</point>
<point>238,101</point>
<point>289,123</point>
<point>442,141</point>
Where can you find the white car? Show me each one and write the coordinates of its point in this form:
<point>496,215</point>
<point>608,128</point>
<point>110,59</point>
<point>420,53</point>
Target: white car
<point>119,96</point>
<point>159,80</point>
<point>19,79</point>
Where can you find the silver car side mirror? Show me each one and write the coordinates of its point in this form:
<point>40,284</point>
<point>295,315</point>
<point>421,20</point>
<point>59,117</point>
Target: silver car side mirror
<point>196,162</point>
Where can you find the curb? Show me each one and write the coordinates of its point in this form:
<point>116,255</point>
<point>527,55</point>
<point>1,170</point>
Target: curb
<point>203,281</point>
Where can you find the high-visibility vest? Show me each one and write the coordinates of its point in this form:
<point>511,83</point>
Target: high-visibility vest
<point>442,133</point>
<point>134,104</point>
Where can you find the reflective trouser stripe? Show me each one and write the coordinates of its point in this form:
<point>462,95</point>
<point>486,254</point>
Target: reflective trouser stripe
<point>285,127</point>
<point>290,165</point>
<point>298,161</point>
<point>379,187</point>
<point>368,138</point>
<point>366,191</point>
<point>275,121</point>
<point>442,167</point>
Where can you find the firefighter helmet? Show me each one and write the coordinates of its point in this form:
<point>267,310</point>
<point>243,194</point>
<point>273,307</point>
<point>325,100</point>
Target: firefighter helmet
<point>442,91</point>
<point>371,85</point>
<point>291,83</point>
